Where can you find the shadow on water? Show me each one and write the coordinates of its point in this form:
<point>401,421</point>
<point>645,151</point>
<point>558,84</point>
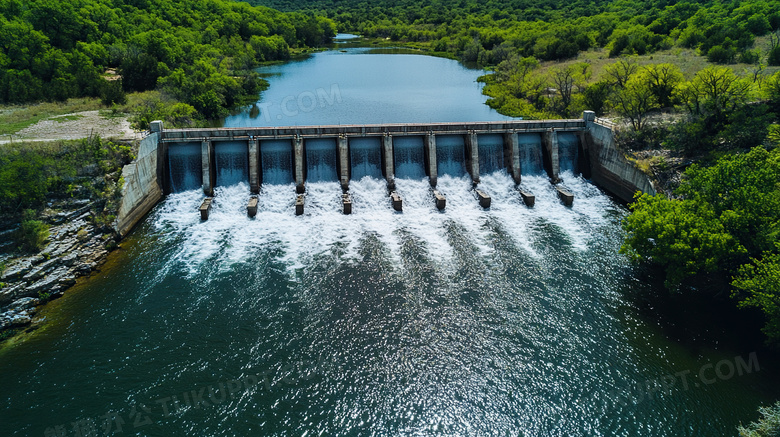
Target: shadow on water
<point>698,319</point>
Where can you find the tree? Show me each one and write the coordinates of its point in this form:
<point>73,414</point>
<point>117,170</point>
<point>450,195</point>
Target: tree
<point>565,80</point>
<point>635,101</point>
<point>772,92</point>
<point>663,80</point>
<point>684,238</point>
<point>621,71</point>
<point>715,91</point>
<point>595,97</point>
<point>768,426</point>
<point>721,55</point>
<point>774,51</point>
<point>727,213</point>
<point>757,285</point>
<point>743,191</point>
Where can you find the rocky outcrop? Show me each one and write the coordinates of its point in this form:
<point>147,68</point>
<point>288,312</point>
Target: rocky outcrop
<point>76,247</point>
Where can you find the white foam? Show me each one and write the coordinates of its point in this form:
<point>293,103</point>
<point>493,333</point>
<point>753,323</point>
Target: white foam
<point>230,237</point>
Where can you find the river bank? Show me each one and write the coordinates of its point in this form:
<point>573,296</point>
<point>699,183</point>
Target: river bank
<point>77,247</point>
<point>56,220</point>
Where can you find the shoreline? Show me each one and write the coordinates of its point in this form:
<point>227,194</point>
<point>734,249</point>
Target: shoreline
<point>77,247</point>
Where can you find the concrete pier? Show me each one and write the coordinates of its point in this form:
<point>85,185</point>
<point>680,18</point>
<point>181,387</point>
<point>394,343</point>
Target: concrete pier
<point>586,145</point>
<point>565,195</point>
<point>395,198</point>
<point>528,198</point>
<point>254,162</point>
<point>484,199</point>
<point>550,142</point>
<point>346,202</point>
<point>441,201</point>
<point>299,179</point>
<point>387,153</point>
<point>512,149</point>
<point>251,207</point>
<point>343,162</point>
<point>299,204</point>
<point>472,156</point>
<point>430,154</point>
<point>207,166</point>
<point>205,208</point>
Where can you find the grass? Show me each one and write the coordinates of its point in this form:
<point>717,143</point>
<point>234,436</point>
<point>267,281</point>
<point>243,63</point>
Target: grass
<point>66,118</point>
<point>14,118</point>
<point>687,60</point>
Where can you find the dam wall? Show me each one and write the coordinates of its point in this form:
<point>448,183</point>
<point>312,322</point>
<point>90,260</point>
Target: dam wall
<point>141,189</point>
<point>609,167</point>
<point>172,160</point>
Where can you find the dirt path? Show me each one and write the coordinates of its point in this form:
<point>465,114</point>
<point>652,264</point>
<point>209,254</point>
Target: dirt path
<point>75,126</point>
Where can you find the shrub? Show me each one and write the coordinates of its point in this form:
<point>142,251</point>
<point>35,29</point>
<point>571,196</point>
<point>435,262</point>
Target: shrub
<point>774,56</point>
<point>111,92</point>
<point>750,57</point>
<point>721,55</point>
<point>32,233</point>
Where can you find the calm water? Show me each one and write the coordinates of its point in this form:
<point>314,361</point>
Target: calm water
<point>507,321</point>
<point>359,86</point>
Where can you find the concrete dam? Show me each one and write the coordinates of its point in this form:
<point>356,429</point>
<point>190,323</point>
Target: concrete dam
<point>175,160</point>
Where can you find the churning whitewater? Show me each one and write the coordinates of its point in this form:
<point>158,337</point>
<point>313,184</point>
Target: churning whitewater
<point>229,235</point>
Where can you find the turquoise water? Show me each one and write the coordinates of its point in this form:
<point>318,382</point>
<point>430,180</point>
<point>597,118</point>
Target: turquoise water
<point>505,321</point>
<point>357,86</point>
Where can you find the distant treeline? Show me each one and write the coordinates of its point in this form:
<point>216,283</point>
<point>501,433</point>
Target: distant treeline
<point>199,52</point>
<point>489,32</point>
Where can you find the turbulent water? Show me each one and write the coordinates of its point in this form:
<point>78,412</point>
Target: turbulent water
<point>505,321</point>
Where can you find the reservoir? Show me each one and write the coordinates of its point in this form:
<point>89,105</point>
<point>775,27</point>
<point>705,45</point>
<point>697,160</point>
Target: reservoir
<point>508,320</point>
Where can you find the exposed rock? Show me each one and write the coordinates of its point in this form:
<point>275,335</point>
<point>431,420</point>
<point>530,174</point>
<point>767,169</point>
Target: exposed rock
<point>42,269</point>
<point>24,304</point>
<point>85,268</point>
<point>55,281</point>
<point>17,269</point>
<point>11,319</point>
<point>20,319</point>
<point>34,274</point>
<point>75,248</point>
<point>9,293</point>
<point>69,259</point>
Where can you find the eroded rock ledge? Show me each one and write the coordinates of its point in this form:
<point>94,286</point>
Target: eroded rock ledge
<point>76,247</point>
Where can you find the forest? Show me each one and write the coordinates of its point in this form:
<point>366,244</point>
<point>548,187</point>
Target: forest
<point>200,54</point>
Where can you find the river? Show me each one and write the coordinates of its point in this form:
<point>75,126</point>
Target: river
<point>502,321</point>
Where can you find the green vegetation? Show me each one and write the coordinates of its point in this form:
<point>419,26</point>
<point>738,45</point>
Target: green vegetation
<point>32,172</point>
<point>32,233</point>
<point>516,39</point>
<point>14,118</point>
<point>725,225</point>
<point>5,335</point>
<point>489,32</point>
<point>768,426</point>
<point>197,53</point>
